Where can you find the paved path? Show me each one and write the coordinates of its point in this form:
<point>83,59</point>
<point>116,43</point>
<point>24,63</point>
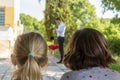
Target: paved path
<point>55,70</point>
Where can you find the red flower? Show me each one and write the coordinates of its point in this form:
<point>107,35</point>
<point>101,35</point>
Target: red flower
<point>53,46</point>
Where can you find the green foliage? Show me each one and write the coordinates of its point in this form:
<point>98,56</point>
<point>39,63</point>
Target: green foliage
<point>117,65</point>
<point>58,8</point>
<point>50,16</point>
<point>79,14</point>
<point>111,32</point>
<point>74,13</point>
<point>32,24</point>
<point>114,45</point>
<point>111,4</point>
<point>83,11</point>
<point>116,20</point>
<point>26,20</point>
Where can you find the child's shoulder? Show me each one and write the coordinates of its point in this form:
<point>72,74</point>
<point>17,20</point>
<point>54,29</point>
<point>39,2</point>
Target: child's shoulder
<point>48,77</point>
<point>88,73</point>
<point>69,75</point>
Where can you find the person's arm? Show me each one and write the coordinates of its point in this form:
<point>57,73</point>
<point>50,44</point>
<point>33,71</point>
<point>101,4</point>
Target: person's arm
<point>61,29</point>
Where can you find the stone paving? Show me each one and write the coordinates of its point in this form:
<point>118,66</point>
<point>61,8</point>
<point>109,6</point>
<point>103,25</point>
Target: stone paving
<point>53,69</point>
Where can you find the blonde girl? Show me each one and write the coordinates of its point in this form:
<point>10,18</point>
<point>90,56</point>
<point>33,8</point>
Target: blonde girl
<point>30,56</point>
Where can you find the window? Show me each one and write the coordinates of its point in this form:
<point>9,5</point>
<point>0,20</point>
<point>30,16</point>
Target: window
<point>2,16</point>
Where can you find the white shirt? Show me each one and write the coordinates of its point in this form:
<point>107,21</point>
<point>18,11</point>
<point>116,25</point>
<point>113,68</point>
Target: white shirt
<point>61,30</point>
<point>95,73</point>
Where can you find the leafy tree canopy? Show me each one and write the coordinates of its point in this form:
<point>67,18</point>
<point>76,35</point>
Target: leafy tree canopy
<point>115,6</point>
<point>82,9</point>
<point>111,4</point>
<point>32,24</point>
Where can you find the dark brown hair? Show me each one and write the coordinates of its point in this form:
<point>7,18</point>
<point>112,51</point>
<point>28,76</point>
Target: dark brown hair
<point>57,18</point>
<point>87,48</point>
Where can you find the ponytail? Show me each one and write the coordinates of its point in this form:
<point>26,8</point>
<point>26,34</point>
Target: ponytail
<point>31,70</point>
<point>28,63</point>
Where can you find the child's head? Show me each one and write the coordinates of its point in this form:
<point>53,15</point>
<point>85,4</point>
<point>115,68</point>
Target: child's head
<point>51,38</point>
<point>30,54</point>
<point>87,48</point>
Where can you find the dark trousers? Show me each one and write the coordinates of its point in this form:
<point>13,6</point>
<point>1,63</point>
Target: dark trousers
<point>61,49</point>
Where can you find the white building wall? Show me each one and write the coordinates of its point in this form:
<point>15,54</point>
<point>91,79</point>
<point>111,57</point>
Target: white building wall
<point>8,3</point>
<point>16,11</point>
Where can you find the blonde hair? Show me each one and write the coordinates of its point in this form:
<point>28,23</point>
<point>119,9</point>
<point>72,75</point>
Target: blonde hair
<point>29,67</point>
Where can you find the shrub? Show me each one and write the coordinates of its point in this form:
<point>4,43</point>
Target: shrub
<point>114,45</point>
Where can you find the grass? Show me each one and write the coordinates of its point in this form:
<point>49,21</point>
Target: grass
<point>117,65</point>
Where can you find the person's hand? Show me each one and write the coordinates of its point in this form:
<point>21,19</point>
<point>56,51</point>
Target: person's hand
<point>54,26</point>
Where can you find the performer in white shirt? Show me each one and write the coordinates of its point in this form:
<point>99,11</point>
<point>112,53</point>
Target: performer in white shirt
<point>60,35</point>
